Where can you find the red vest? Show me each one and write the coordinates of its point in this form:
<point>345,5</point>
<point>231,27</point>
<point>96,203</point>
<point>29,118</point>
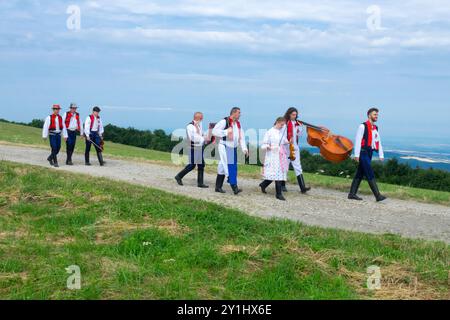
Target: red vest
<point>229,124</point>
<point>69,116</point>
<point>290,130</point>
<point>53,122</point>
<point>368,138</point>
<point>92,121</point>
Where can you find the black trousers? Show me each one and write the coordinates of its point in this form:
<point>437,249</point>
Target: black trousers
<point>365,165</point>
<point>71,141</point>
<point>196,159</point>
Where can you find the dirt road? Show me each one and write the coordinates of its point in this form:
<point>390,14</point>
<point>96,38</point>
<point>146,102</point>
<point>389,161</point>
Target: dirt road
<point>321,207</point>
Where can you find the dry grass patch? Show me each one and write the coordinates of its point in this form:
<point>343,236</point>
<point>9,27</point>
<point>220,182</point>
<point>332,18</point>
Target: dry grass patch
<point>10,197</point>
<point>232,248</point>
<point>111,231</point>
<point>60,241</point>
<point>171,226</point>
<point>110,266</point>
<point>16,234</point>
<point>14,275</point>
<point>398,282</point>
<point>101,198</point>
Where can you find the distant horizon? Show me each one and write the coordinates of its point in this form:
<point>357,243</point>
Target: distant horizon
<point>419,140</point>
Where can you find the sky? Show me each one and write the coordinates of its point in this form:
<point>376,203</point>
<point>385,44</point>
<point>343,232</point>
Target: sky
<point>151,64</point>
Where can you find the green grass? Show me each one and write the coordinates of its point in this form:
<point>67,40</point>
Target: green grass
<point>134,242</point>
<point>17,134</point>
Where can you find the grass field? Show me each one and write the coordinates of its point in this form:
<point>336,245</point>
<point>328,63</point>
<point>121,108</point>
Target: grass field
<point>134,242</point>
<point>16,134</point>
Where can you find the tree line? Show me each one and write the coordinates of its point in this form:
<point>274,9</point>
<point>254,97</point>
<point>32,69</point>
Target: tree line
<point>391,171</point>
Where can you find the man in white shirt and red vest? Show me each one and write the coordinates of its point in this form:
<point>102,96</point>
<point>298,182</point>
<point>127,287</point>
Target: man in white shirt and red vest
<point>93,130</point>
<point>294,132</point>
<point>230,136</point>
<point>367,141</point>
<point>53,128</point>
<point>73,125</point>
<point>196,141</point>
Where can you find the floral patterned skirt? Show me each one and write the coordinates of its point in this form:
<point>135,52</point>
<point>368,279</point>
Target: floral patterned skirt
<point>276,165</point>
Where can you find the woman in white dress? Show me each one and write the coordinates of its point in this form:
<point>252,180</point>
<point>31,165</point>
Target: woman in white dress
<point>276,164</point>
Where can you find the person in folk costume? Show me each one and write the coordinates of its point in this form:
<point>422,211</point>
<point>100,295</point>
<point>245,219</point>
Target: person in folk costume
<point>367,142</point>
<point>53,128</point>
<point>197,141</point>
<point>93,130</point>
<point>230,135</point>
<point>276,164</point>
<point>294,132</point>
<point>73,125</point>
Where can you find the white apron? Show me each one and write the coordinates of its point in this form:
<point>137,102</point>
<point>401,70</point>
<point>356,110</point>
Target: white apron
<point>276,163</point>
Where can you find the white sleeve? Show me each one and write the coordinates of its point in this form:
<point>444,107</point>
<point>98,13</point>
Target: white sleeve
<point>101,130</point>
<point>64,129</point>
<point>381,151</point>
<point>219,131</point>
<point>45,128</point>
<point>358,140</point>
<point>284,134</point>
<point>81,128</point>
<point>194,136</point>
<point>243,142</point>
<point>87,126</point>
<point>266,142</point>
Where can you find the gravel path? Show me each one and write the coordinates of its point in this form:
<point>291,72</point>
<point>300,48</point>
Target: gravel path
<point>321,207</point>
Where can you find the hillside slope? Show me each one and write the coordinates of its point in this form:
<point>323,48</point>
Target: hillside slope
<point>321,207</point>
<point>132,242</point>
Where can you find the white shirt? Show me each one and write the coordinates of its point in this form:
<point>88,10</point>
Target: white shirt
<point>45,130</point>
<point>73,125</point>
<point>195,134</point>
<point>375,138</point>
<point>96,127</point>
<point>275,138</point>
<point>220,132</point>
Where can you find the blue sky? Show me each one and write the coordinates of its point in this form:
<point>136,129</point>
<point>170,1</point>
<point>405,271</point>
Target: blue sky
<point>151,64</point>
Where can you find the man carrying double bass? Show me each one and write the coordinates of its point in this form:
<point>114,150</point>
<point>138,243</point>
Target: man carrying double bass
<point>367,141</point>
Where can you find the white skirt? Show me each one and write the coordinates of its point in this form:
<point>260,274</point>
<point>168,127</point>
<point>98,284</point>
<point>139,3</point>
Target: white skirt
<point>276,165</point>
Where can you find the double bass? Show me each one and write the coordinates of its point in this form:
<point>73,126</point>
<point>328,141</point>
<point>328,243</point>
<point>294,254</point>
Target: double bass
<point>334,148</point>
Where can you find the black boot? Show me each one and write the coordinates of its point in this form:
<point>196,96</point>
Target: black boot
<point>55,162</point>
<point>301,183</point>
<point>354,189</point>
<point>200,179</point>
<point>179,177</point>
<point>219,183</point>
<point>100,159</point>
<point>86,159</point>
<point>236,189</point>
<point>279,191</point>
<point>283,186</point>
<point>69,157</point>
<point>264,185</point>
<point>374,187</point>
<point>179,180</point>
<point>50,159</point>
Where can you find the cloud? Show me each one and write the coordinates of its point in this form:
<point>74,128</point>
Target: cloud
<point>283,38</point>
<point>323,27</point>
<point>129,108</point>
